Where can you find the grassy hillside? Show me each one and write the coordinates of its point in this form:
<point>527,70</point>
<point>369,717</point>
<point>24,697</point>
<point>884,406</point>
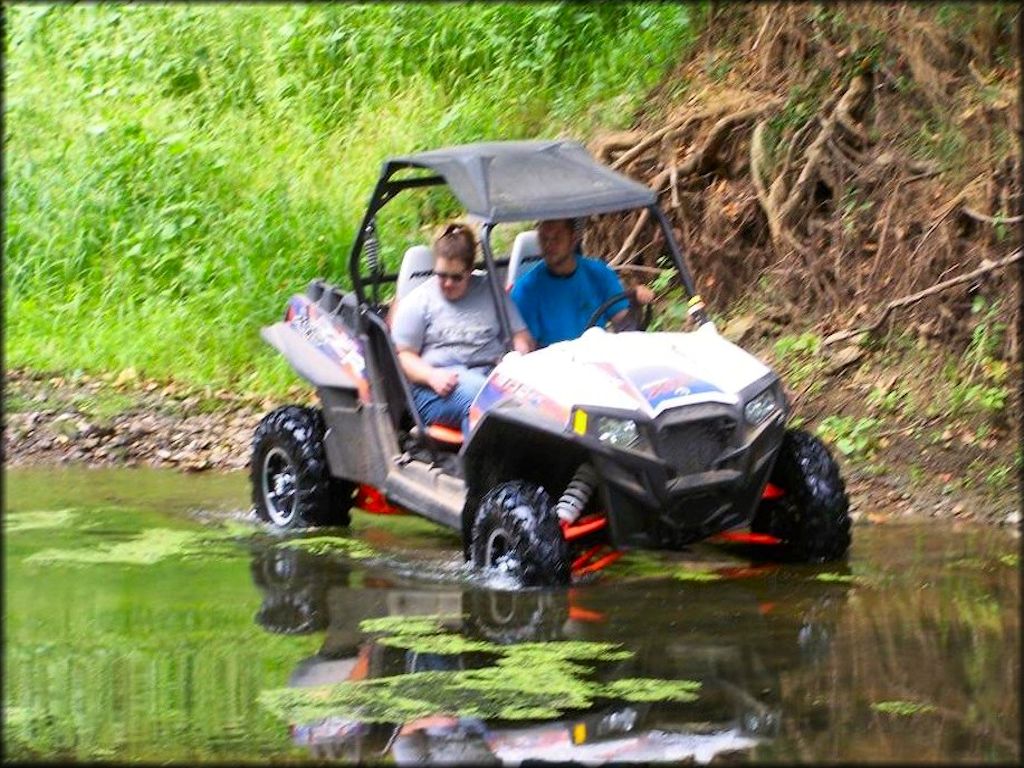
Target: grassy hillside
<point>175,172</point>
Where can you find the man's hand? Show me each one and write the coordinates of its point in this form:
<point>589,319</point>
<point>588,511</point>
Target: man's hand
<point>643,294</point>
<point>443,381</point>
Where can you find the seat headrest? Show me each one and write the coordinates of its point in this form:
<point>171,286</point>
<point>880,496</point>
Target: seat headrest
<point>525,255</point>
<point>417,266</point>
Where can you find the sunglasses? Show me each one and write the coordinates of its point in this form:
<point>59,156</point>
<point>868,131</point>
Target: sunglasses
<point>455,277</point>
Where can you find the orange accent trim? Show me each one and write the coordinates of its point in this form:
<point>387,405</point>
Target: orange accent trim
<point>604,562</point>
<point>587,525</point>
<point>584,614</point>
<point>582,560</point>
<point>369,499</point>
<point>772,491</point>
<point>361,668</point>
<point>743,537</point>
<point>445,434</point>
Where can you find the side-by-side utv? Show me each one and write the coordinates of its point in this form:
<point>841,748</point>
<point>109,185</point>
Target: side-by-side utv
<point>576,451</point>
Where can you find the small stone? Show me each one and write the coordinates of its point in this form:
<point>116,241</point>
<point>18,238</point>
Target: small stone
<point>739,328</point>
<point>845,357</point>
<point>126,376</point>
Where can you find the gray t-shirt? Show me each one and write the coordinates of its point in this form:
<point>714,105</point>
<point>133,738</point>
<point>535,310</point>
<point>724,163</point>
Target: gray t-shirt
<point>447,333</point>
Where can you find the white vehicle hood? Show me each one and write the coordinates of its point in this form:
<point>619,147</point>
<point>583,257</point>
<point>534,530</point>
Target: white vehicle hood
<point>641,372</point>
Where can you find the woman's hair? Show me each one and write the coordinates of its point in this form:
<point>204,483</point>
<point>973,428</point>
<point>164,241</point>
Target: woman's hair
<point>456,241</point>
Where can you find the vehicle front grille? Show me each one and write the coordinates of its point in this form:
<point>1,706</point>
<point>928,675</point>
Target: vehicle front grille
<point>692,446</point>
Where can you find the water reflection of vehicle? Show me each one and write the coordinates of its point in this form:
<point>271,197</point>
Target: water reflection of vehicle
<point>734,636</point>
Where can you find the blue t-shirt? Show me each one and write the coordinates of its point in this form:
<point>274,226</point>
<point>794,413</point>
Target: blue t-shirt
<point>556,307</point>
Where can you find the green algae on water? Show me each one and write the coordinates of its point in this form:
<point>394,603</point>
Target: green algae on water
<point>842,578</point>
<point>640,564</point>
<point>902,708</point>
<point>440,644</point>
<point>17,522</point>
<point>151,546</point>
<point>579,650</point>
<point>652,689</point>
<point>406,625</point>
<point>531,681</point>
<point>327,545</point>
<point>688,574</point>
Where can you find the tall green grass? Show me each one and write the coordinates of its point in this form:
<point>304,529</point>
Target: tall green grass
<point>174,172</point>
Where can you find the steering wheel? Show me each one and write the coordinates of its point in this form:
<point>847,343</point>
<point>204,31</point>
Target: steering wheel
<point>638,316</point>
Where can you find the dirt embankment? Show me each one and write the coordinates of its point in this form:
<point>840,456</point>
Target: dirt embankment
<point>831,158</point>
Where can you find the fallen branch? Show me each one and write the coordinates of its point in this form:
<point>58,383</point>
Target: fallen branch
<point>764,26</point>
<point>991,219</point>
<point>757,161</point>
<point>616,142</point>
<point>627,157</point>
<point>950,207</point>
<point>676,127</point>
<point>642,219</point>
<point>699,160</point>
<point>858,89</point>
<point>986,267</point>
<point>627,244</point>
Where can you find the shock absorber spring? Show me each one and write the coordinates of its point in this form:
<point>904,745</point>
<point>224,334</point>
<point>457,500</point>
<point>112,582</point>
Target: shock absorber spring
<point>574,498</point>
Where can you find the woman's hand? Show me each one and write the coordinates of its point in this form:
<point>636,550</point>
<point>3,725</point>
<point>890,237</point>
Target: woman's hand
<point>443,381</point>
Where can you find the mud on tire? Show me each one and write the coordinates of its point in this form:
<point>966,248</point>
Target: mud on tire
<point>812,519</point>
<point>291,484</point>
<point>517,531</point>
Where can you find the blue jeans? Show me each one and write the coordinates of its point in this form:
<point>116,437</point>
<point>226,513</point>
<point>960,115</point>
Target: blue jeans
<point>454,409</point>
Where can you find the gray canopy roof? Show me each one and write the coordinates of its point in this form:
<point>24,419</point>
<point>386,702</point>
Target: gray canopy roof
<point>527,180</point>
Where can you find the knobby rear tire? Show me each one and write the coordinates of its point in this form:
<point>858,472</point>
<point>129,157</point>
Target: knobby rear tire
<point>291,484</point>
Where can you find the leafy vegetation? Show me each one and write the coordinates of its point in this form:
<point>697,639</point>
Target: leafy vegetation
<point>799,357</point>
<point>979,378</point>
<point>175,172</point>
<point>854,437</point>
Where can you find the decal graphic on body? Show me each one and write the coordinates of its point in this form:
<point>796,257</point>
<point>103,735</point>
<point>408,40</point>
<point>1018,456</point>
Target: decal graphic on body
<point>500,388</point>
<point>331,340</point>
<point>659,383</point>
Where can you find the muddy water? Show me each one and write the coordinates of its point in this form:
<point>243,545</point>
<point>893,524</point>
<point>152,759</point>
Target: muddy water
<point>147,617</point>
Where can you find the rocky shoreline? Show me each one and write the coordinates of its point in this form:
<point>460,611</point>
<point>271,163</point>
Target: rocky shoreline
<point>108,421</point>
<point>125,421</point>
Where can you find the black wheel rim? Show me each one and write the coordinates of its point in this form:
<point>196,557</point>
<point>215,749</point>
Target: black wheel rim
<point>279,486</point>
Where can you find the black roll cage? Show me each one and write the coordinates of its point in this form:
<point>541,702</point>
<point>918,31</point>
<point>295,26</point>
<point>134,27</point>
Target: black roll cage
<point>388,188</point>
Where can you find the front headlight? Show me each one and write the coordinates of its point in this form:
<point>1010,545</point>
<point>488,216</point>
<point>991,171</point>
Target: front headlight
<point>760,407</point>
<point>622,433</point>
<point>613,430</point>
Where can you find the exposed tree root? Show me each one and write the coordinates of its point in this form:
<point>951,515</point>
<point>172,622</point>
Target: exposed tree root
<point>857,184</point>
<point>903,301</point>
